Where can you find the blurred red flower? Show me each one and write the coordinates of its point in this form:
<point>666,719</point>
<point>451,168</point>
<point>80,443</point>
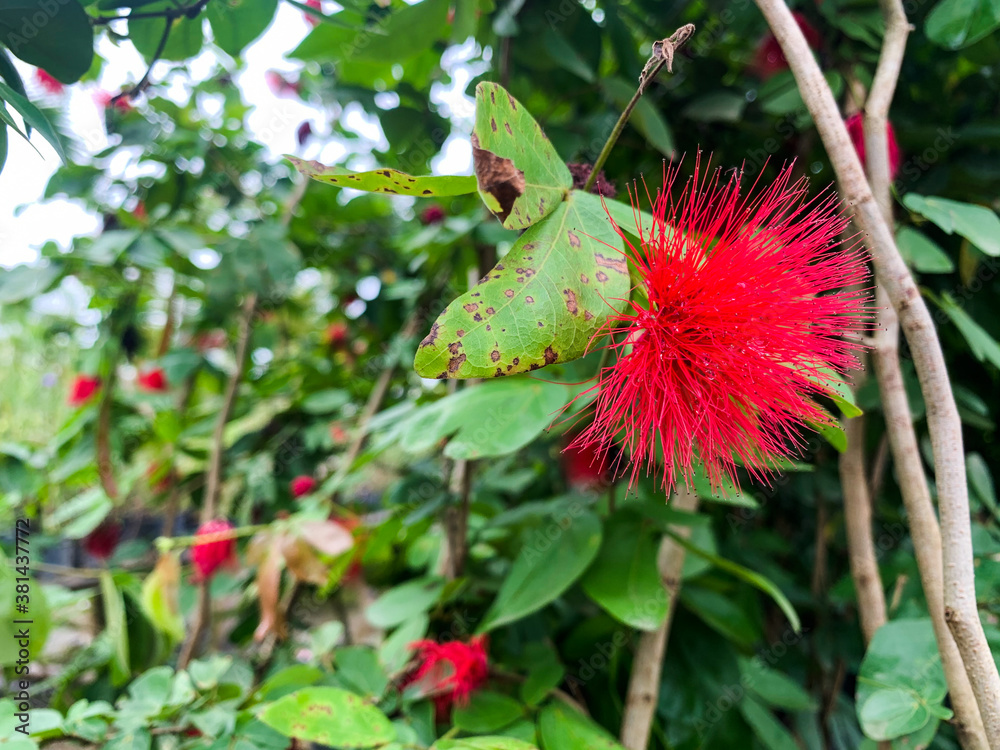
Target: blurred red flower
<point>856,129</point>
<point>213,549</point>
<point>433,214</point>
<point>311,19</point>
<point>769,59</point>
<point>450,671</point>
<point>102,541</point>
<point>49,82</point>
<point>302,485</point>
<point>153,380</point>
<point>84,386</point>
<point>586,467</point>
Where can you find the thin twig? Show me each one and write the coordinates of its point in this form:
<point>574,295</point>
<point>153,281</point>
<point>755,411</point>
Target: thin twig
<point>105,465</point>
<point>663,57</point>
<point>943,420</point>
<point>169,13</point>
<point>647,664</point>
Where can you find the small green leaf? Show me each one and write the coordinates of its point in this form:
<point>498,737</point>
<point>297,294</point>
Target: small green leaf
<point>185,40</point>
<point>921,252</point>
<point>562,728</point>
<point>983,345</point>
<point>386,180</point>
<point>541,680</point>
<point>483,743</point>
<point>329,716</point>
<point>954,24</point>
<point>624,578</point>
<point>35,118</point>
<point>115,627</point>
<point>978,224</point>
<point>486,712</point>
<point>399,604</point>
<point>546,566</point>
<point>236,23</point>
<point>766,727</point>
<point>540,305</point>
<point>521,177</point>
<point>773,687</point>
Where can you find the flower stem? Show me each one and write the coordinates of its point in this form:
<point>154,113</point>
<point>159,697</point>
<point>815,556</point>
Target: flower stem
<point>663,56</point>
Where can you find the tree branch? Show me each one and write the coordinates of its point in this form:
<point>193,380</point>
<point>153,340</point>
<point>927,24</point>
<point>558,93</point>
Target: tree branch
<point>915,319</point>
<point>895,407</point>
<point>644,684</point>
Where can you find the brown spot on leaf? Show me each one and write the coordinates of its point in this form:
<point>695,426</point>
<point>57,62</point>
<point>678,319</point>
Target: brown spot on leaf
<point>490,311</point>
<point>495,355</point>
<point>534,366</point>
<point>471,307</point>
<point>507,127</point>
<point>601,276</point>
<point>455,362</point>
<point>478,318</point>
<point>517,360</point>
<point>550,355</point>
<point>499,373</point>
<point>454,347</point>
<point>541,324</point>
<point>431,337</point>
<point>428,192</point>
<point>489,328</point>
<point>493,124</point>
<point>460,332</point>
<point>386,173</point>
<point>513,103</point>
<point>588,315</point>
<point>618,264</point>
<point>510,367</point>
<point>498,177</point>
<point>509,293</point>
<point>530,300</point>
<point>574,240</point>
<point>571,301</point>
<point>499,267</point>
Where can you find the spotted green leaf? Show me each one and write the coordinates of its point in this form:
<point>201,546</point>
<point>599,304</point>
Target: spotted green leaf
<point>386,180</point>
<point>541,304</point>
<point>521,177</point>
<point>329,716</point>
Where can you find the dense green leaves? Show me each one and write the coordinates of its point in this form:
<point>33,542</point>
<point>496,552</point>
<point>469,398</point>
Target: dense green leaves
<point>978,224</point>
<point>330,716</point>
<point>487,712</point>
<point>185,37</point>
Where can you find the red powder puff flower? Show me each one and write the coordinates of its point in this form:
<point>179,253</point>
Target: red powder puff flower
<point>279,85</point>
<point>302,485</point>
<point>432,215</point>
<point>105,99</point>
<point>586,467</point>
<point>450,671</point>
<point>82,389</point>
<point>336,334</point>
<point>856,129</point>
<point>48,82</point>
<point>153,380</point>
<point>769,59</point>
<point>213,549</point>
<point>310,18</point>
<point>102,541</point>
<point>743,308</point>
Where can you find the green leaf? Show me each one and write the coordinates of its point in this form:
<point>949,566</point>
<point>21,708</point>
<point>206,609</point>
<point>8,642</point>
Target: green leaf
<point>744,574</point>
<point>721,613</point>
<point>718,106</point>
<point>832,433</point>
<point>395,650</point>
<point>981,483</point>
<point>24,282</point>
<point>566,55</point>
<point>115,627</point>
<point>540,305</point>
<point>399,604</point>
<point>901,682</point>
<point>334,20</point>
<point>521,177</point>
<point>545,567</point>
<point>325,402</point>
<point>492,419</point>
<point>386,180</point>
<point>57,38</point>
<point>983,345</point>
<point>185,40</point>
<point>329,716</point>
<point>541,680</point>
<point>79,516</point>
<point>766,726</point>
<point>954,24</point>
<point>646,118</point>
<point>483,743</point>
<point>486,712</point>
<point>978,224</point>
<point>9,73</point>
<point>562,728</point>
<point>921,252</point>
<point>35,118</point>
<point>624,578</point>
<point>236,23</point>
<point>773,687</point>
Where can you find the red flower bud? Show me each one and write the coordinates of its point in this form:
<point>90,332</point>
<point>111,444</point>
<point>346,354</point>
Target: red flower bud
<point>102,541</point>
<point>770,59</point>
<point>153,380</point>
<point>433,214</point>
<point>856,129</point>
<point>48,82</point>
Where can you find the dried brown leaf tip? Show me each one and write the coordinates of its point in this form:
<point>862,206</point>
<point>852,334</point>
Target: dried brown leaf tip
<point>498,177</point>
